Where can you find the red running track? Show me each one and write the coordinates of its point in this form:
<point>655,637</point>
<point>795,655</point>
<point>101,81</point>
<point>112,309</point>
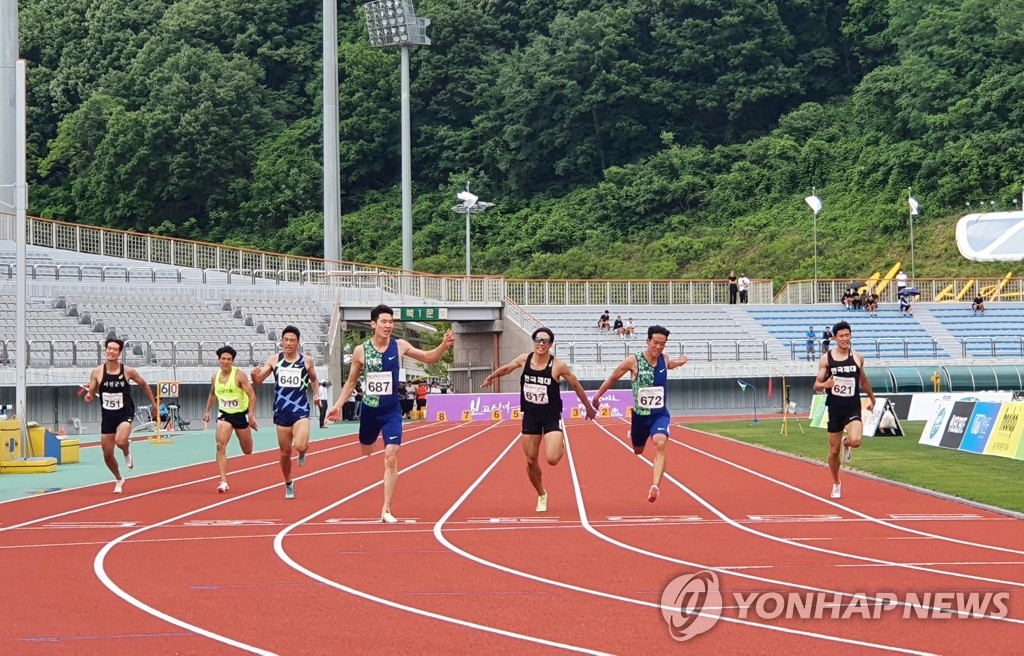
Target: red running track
<point>173,568</point>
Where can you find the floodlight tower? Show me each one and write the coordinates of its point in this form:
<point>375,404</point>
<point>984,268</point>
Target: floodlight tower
<point>394,24</point>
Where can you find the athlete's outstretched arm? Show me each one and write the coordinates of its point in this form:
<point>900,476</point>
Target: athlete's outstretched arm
<point>562,370</point>
<point>260,373</point>
<point>133,374</point>
<point>355,368</point>
<point>504,370</point>
<point>626,366</point>
<point>680,361</point>
<point>427,357</point>
<point>211,400</point>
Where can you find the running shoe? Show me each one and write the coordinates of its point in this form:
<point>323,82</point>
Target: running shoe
<point>847,452</point>
<point>128,461</point>
<point>289,490</point>
<point>653,494</point>
<point>542,503</point>
<point>223,487</point>
<point>118,485</point>
<point>302,458</point>
<point>388,518</point>
<point>837,490</point>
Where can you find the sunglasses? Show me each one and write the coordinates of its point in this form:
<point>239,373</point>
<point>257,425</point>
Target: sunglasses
<point>542,340</point>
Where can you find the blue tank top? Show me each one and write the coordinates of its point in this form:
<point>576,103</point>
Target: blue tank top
<point>650,387</point>
<point>380,376</point>
<point>291,380</point>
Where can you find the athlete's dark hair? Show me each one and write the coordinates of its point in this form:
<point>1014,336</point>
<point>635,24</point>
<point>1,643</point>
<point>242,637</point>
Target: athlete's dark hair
<point>293,330</point>
<point>542,329</point>
<point>114,340</point>
<point>379,310</point>
<point>657,330</point>
<point>227,349</point>
<point>842,325</point>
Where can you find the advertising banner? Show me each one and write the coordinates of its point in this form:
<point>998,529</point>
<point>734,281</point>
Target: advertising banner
<point>495,407</point>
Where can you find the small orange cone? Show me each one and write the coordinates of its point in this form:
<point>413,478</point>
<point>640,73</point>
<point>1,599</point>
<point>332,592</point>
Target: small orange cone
<point>62,432</point>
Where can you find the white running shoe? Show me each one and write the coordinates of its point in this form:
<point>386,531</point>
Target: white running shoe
<point>388,518</point>
<point>128,461</point>
<point>847,452</point>
<point>837,490</point>
<point>223,487</point>
<point>118,484</point>
<point>542,503</point>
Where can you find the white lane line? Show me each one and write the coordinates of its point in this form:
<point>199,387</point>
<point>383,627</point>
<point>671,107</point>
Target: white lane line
<point>739,526</point>
<point>439,534</point>
<point>288,560</point>
<point>99,561</point>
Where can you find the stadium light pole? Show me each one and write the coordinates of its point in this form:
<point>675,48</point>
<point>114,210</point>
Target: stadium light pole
<point>394,24</point>
<point>8,104</point>
<point>332,160</point>
<point>469,206</point>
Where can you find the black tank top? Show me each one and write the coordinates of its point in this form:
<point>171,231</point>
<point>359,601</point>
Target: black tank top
<point>540,391</point>
<point>114,394</point>
<point>846,374</point>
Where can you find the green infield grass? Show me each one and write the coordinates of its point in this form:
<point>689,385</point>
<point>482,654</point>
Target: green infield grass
<point>985,479</point>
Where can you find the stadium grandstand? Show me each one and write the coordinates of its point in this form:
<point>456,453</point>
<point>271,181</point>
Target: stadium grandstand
<point>175,302</point>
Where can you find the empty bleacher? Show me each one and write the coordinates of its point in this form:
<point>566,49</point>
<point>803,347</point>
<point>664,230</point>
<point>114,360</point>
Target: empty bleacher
<point>997,333</point>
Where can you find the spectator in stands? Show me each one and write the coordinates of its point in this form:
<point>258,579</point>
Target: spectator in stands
<point>978,305</point>
<point>862,300</point>
<point>872,305</point>
<point>733,288</point>
<point>405,400</point>
<point>826,339</point>
<point>321,402</point>
<point>618,327</point>
<point>847,299</point>
<point>810,344</point>
<point>604,323</point>
<point>435,388</point>
<point>744,285</point>
<point>421,395</point>
<point>905,306</point>
<point>630,328</point>
<point>901,281</point>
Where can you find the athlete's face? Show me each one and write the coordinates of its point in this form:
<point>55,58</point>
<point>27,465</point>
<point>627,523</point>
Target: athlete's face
<point>384,325</point>
<point>656,344</point>
<point>226,362</point>
<point>113,352</point>
<point>843,338</point>
<point>542,343</point>
<point>290,343</point>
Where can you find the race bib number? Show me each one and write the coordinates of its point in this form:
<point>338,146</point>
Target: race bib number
<point>535,393</point>
<point>650,398</point>
<point>843,386</point>
<point>113,401</point>
<point>378,383</point>
<point>231,405</point>
<point>289,378</point>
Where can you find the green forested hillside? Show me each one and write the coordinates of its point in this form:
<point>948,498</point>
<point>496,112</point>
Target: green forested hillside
<point>618,138</point>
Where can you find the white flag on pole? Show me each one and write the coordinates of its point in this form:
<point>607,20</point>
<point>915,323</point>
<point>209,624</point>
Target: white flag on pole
<point>913,206</point>
<point>815,204</point>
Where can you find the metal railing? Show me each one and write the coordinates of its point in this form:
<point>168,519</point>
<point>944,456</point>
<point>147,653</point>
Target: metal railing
<point>944,290</point>
<point>180,353</point>
<point>998,347</point>
<point>630,292</point>
<point>612,351</point>
<point>877,348</point>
